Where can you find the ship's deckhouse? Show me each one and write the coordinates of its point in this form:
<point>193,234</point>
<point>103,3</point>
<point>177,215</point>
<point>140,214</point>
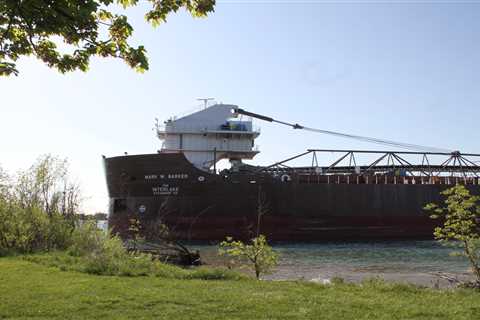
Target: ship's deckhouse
<point>210,135</point>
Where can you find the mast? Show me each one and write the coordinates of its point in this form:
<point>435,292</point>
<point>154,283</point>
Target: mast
<point>205,101</point>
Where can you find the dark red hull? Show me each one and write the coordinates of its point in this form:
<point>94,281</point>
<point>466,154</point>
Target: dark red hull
<point>196,205</point>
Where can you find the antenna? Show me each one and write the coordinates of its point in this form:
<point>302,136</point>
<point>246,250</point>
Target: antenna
<point>205,101</point>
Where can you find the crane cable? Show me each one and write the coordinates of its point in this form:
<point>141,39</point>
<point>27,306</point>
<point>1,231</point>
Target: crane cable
<point>390,143</point>
<point>407,146</point>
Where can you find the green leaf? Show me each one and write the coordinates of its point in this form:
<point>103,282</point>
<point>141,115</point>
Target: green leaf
<point>34,27</point>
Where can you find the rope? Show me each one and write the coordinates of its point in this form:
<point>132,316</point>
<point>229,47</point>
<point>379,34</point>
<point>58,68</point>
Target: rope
<point>390,143</point>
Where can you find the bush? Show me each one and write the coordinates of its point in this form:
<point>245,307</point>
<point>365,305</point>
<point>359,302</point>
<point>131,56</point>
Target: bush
<point>136,264</point>
<point>37,208</point>
<point>257,254</point>
<point>96,252</point>
<point>108,258</point>
<point>87,238</point>
<point>25,230</point>
<point>460,216</point>
<point>104,253</point>
<point>59,232</point>
<point>132,265</point>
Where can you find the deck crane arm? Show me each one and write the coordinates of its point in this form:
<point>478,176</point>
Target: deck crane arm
<point>402,145</point>
<point>265,118</point>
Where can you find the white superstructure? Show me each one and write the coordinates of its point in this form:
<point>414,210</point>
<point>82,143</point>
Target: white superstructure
<point>209,135</point>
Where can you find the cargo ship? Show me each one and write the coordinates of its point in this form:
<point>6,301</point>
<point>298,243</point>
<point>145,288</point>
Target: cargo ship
<point>181,189</point>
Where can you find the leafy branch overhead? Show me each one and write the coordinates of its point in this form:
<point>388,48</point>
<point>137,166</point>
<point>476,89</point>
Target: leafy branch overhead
<point>88,27</point>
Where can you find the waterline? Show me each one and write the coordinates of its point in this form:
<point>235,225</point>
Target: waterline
<point>405,261</point>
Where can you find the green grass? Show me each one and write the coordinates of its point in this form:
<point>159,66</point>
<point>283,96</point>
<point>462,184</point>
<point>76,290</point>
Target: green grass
<point>134,266</point>
<point>33,290</point>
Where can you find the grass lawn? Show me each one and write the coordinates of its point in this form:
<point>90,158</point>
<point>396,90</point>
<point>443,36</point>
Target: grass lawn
<point>30,290</point>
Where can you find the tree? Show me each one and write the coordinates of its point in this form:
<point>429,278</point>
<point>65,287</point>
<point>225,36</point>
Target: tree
<point>87,27</point>
<point>4,183</point>
<point>263,207</point>
<point>460,224</point>
<point>38,207</point>
<point>47,185</point>
<point>258,253</point>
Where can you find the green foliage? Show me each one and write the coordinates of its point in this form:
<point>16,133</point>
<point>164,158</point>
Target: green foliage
<point>111,258</point>
<point>47,185</point>
<point>24,230</point>
<point>135,236</point>
<point>103,253</point>
<point>460,217</point>
<point>115,262</point>
<point>258,254</point>
<point>4,184</point>
<point>97,252</point>
<point>203,273</point>
<point>87,27</point>
<point>86,239</point>
<point>37,209</point>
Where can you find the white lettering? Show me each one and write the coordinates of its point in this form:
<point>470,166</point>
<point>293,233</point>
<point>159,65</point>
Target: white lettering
<point>165,190</point>
<point>180,176</point>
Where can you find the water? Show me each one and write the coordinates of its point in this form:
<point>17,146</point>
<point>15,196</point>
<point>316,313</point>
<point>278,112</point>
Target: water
<point>412,256</point>
<point>404,261</point>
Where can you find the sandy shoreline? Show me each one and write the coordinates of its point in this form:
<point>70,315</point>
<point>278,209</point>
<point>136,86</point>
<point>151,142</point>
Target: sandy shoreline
<point>324,274</point>
<point>318,271</point>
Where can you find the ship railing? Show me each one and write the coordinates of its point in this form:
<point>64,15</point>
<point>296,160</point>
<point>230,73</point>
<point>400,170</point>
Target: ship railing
<point>378,179</point>
<point>165,129</point>
<point>244,127</point>
<point>400,163</point>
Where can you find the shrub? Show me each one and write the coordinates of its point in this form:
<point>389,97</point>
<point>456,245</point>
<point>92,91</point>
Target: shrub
<point>131,265</point>
<point>87,238</point>
<point>258,254</point>
<point>37,208</point>
<point>105,254</point>
<point>136,264</point>
<point>59,232</point>
<point>25,230</point>
<point>108,257</point>
<point>460,226</point>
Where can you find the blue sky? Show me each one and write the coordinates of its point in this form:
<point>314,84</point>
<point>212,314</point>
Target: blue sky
<point>404,71</point>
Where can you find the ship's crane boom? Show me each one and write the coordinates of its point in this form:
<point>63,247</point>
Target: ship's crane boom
<point>259,116</point>
<point>402,145</point>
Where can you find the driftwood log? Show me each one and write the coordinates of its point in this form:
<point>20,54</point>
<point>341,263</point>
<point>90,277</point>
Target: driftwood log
<point>453,280</point>
<point>168,252</point>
